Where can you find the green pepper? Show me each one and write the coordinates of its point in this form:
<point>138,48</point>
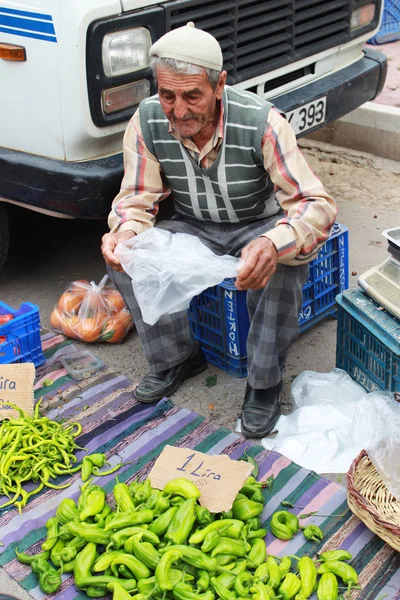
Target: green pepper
<point>123,497</point>
<point>341,569</point>
<point>52,534</point>
<point>256,533</point>
<point>142,491</point>
<point>49,578</point>
<point>82,571</point>
<point>100,518</point>
<point>105,560</point>
<point>203,515</point>
<point>284,566</point>
<point>161,506</point>
<point>257,496</point>
<point>147,586</point>
<point>162,574</point>
<point>182,522</point>
<point>96,592</point>
<point>335,555</point>
<point>250,485</point>
<point>67,511</point>
<point>262,572</point>
<point>27,559</point>
<point>87,468</point>
<point>119,538</point>
<point>245,509</point>
<point>177,501</point>
<point>225,559</point>
<point>312,533</point>
<point>145,552</point>
<point>183,591</point>
<point>240,583</point>
<point>125,572</point>
<point>258,552</point>
<point>210,541</point>
<point>226,514</point>
<point>328,587</point>
<point>193,556</point>
<point>308,575</point>
<point>260,591</point>
<point>284,524</point>
<point>181,487</point>
<point>222,591</point>
<point>129,518</point>
<point>55,554</point>
<point>203,581</point>
<point>273,572</point>
<point>152,499</point>
<point>94,504</point>
<point>229,546</point>
<point>160,525</point>
<point>67,567</point>
<point>227,580</point>
<point>119,592</point>
<point>139,569</point>
<point>235,527</point>
<point>254,523</point>
<point>290,586</point>
<point>86,489</point>
<point>89,532</point>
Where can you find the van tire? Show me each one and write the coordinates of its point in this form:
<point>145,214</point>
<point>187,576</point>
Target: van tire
<point>4,234</point>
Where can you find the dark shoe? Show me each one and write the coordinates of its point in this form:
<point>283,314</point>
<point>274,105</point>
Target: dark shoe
<point>155,386</point>
<point>260,411</point>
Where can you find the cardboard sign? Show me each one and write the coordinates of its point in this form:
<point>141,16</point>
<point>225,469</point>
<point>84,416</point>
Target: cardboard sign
<point>218,477</point>
<point>16,386</point>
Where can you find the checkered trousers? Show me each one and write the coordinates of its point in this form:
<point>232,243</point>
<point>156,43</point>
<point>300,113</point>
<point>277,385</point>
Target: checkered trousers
<point>273,311</point>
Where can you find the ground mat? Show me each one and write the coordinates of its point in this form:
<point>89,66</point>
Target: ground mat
<point>114,423</point>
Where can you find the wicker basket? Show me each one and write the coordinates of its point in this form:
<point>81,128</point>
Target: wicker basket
<point>370,500</point>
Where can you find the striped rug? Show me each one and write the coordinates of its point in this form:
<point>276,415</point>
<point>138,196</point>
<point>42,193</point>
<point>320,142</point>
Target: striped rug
<point>114,423</point>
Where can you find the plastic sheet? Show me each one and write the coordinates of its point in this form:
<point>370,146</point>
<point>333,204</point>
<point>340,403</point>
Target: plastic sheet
<point>168,270</point>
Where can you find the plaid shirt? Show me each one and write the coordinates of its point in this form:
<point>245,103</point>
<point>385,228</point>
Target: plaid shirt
<point>309,211</point>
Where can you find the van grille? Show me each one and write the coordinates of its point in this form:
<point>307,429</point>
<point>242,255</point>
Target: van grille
<point>258,36</point>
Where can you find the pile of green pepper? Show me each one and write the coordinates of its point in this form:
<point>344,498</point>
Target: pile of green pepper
<point>37,449</point>
<point>163,545</point>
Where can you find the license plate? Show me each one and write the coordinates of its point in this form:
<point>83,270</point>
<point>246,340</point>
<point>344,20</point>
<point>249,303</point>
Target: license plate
<point>307,116</point>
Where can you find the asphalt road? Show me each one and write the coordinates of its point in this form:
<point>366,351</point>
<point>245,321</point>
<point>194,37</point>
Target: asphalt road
<point>46,254</point>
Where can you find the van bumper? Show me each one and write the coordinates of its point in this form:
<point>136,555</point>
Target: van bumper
<point>87,189</point>
<point>345,90</point>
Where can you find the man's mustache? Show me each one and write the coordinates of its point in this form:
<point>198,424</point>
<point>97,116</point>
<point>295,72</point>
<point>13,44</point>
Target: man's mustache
<point>187,118</point>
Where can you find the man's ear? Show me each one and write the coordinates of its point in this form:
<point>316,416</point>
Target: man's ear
<point>220,85</point>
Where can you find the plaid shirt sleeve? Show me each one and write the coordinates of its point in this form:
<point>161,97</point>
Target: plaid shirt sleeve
<point>309,210</point>
<point>142,188</point>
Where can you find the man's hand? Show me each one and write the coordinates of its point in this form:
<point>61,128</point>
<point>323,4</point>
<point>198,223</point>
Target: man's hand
<point>109,243</point>
<point>260,258</point>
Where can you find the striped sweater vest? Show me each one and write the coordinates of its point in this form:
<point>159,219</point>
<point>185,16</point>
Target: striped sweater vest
<point>236,187</point>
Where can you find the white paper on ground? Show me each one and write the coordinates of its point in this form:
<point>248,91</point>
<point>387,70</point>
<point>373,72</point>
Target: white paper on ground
<point>319,436</point>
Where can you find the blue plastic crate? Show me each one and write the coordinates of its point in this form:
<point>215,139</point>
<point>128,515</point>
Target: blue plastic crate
<point>22,334</point>
<point>220,321</point>
<point>368,342</point>
<point>390,27</point>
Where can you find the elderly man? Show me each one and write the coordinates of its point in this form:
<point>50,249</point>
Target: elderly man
<point>229,163</point>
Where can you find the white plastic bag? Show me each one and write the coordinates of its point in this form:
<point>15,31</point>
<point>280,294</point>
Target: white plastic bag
<point>312,388</point>
<point>376,427</point>
<point>168,270</point>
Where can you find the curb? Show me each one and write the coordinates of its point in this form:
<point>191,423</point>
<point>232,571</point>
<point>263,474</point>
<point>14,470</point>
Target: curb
<point>373,128</point>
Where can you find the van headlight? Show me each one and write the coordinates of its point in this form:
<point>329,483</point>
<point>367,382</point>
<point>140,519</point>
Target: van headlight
<point>126,51</point>
<point>362,16</point>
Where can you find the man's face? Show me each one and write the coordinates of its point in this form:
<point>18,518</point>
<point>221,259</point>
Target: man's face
<point>188,101</point>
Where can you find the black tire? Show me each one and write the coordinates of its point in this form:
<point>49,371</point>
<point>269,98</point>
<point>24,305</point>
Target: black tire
<point>4,234</point>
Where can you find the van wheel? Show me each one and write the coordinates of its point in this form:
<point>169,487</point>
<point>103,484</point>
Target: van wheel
<point>4,234</point>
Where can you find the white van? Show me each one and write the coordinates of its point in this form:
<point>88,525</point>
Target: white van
<point>72,73</point>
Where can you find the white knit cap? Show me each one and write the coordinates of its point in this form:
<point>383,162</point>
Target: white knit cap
<point>190,45</point>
